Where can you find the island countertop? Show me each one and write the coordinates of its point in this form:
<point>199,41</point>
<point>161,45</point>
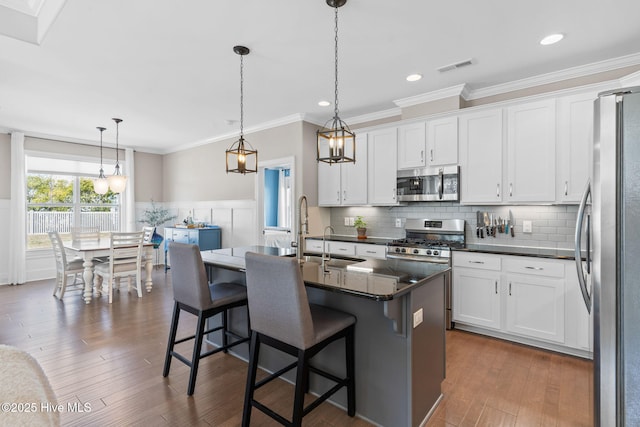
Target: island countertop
<point>380,280</point>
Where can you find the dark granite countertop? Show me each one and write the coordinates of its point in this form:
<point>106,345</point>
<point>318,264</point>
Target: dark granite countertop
<point>354,239</point>
<point>568,254</point>
<point>380,280</point>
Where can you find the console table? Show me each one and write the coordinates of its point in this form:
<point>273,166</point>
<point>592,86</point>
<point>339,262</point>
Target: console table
<point>207,238</point>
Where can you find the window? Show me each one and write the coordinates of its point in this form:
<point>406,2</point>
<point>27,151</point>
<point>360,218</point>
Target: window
<point>58,201</point>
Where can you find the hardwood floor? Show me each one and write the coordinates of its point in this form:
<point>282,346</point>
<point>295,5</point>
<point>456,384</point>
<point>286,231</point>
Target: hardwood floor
<point>111,357</point>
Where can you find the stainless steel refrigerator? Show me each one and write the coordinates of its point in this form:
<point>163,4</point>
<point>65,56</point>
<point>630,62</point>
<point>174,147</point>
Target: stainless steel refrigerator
<point>608,232</point>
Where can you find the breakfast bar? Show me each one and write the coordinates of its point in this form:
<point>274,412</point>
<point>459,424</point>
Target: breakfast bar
<point>400,341</point>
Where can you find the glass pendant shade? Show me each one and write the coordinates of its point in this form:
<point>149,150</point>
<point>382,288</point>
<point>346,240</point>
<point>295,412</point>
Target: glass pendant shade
<point>100,184</point>
<point>117,181</point>
<point>241,159</point>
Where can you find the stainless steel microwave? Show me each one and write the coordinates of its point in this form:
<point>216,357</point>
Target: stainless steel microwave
<point>418,185</point>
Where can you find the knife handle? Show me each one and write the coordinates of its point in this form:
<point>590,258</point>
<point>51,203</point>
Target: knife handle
<point>477,231</point>
<point>512,232</point>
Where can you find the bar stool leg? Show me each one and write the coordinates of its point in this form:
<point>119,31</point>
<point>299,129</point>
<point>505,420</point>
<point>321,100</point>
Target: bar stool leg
<point>172,339</point>
<point>197,347</point>
<point>302,374</point>
<point>225,323</point>
<point>351,386</point>
<point>254,352</point>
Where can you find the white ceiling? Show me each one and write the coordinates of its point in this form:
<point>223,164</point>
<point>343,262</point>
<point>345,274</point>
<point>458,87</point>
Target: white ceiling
<point>168,69</point>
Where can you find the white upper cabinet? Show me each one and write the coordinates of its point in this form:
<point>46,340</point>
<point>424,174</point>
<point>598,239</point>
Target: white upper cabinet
<point>345,184</point>
<point>383,155</point>
<point>531,152</point>
<point>442,141</point>
<point>575,142</point>
<point>481,157</point>
<point>412,146</point>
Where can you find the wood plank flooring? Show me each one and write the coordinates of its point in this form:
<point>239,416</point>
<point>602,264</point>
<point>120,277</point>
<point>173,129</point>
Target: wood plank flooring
<point>111,357</point>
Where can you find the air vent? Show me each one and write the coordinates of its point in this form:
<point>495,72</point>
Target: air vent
<point>456,65</point>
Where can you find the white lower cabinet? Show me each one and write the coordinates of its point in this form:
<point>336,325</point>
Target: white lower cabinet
<point>524,299</point>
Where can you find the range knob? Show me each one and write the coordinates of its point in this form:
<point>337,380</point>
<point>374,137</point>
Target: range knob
<point>404,250</point>
<point>416,251</point>
<point>436,253</point>
<point>397,249</point>
<point>428,251</point>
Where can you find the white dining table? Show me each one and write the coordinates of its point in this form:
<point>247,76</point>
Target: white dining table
<point>90,249</point>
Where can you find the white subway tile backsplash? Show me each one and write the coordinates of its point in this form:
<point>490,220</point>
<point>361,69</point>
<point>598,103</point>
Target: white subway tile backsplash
<point>553,226</point>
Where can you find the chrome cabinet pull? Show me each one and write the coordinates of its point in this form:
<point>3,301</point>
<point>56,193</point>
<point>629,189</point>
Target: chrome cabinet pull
<point>431,154</point>
<point>566,188</point>
<point>498,190</point>
<point>394,194</point>
<point>496,286</point>
<point>509,288</point>
<point>421,155</point>
<point>338,195</point>
<point>535,268</point>
<point>510,189</point>
<point>476,262</point>
<point>344,195</point>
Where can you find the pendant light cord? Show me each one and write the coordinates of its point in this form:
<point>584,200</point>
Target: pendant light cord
<point>335,104</point>
<point>241,96</point>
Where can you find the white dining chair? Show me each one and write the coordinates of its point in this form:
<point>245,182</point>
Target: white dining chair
<point>87,234</point>
<point>124,261</point>
<point>64,268</point>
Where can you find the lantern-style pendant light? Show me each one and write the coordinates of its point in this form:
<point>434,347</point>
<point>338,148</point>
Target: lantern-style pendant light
<point>117,181</point>
<point>239,158</point>
<point>335,141</point>
<point>100,184</point>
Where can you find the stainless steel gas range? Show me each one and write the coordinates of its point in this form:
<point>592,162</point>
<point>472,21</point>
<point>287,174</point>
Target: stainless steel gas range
<point>429,240</point>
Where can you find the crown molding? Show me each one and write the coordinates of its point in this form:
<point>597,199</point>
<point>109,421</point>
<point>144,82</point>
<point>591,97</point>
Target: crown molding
<point>293,118</point>
<point>458,90</point>
<point>378,115</point>
<point>28,20</point>
<point>632,79</point>
<point>556,76</point>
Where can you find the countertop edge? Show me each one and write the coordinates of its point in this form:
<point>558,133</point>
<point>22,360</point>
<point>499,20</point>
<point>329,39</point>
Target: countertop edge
<point>503,250</point>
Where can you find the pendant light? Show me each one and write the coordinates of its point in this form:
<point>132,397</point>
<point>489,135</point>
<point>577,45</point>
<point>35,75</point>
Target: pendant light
<point>101,185</point>
<point>117,181</point>
<point>335,141</point>
<point>241,159</point>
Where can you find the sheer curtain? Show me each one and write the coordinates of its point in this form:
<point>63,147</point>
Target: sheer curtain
<point>129,203</point>
<point>17,217</point>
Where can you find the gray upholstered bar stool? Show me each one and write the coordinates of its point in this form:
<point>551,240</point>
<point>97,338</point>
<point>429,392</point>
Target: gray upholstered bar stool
<point>281,317</point>
<point>193,293</point>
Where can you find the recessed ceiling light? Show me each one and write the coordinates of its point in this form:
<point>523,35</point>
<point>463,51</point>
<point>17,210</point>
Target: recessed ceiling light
<point>324,103</point>
<point>414,77</point>
<point>551,39</point>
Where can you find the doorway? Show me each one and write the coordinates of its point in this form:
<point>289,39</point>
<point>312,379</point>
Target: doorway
<point>275,199</point>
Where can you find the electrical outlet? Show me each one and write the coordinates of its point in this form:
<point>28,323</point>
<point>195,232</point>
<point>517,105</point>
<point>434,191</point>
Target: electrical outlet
<point>352,221</point>
<point>346,220</point>
<point>398,222</point>
<point>417,318</point>
<point>526,226</point>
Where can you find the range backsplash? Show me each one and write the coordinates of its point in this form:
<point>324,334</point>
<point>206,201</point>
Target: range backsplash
<point>553,226</point>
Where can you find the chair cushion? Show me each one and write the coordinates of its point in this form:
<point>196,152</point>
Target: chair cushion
<point>327,321</point>
<point>75,264</point>
<point>226,293</point>
<point>103,268</point>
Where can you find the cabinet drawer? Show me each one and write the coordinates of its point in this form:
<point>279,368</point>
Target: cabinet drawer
<point>371,251</point>
<point>475,260</point>
<point>181,236</point>
<point>533,266</point>
<point>314,246</point>
<point>342,248</point>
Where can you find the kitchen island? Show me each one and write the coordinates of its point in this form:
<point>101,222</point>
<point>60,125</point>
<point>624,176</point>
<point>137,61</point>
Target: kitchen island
<point>400,342</point>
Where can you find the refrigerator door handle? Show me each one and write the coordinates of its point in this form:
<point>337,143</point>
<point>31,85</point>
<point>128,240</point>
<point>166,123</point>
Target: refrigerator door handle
<point>578,244</point>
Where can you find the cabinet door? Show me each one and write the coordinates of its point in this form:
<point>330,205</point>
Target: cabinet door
<point>531,152</point>
<point>535,307</point>
<point>578,321</point>
<point>575,142</point>
<point>476,297</point>
<point>442,141</point>
<point>329,190</point>
<point>354,175</point>
<point>481,157</point>
<point>411,146</point>
<point>383,154</point>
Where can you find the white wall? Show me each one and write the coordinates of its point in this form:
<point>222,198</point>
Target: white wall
<point>4,247</point>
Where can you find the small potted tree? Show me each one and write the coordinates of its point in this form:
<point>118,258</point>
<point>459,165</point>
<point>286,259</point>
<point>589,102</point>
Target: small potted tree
<point>154,217</point>
<point>361,227</point>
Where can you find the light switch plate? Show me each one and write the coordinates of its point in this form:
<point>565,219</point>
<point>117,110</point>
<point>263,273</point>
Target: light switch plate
<point>398,222</point>
<point>352,220</point>
<point>346,220</point>
<point>526,226</point>
<point>417,318</point>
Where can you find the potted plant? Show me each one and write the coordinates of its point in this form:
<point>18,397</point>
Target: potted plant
<point>361,227</point>
<point>155,217</point>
